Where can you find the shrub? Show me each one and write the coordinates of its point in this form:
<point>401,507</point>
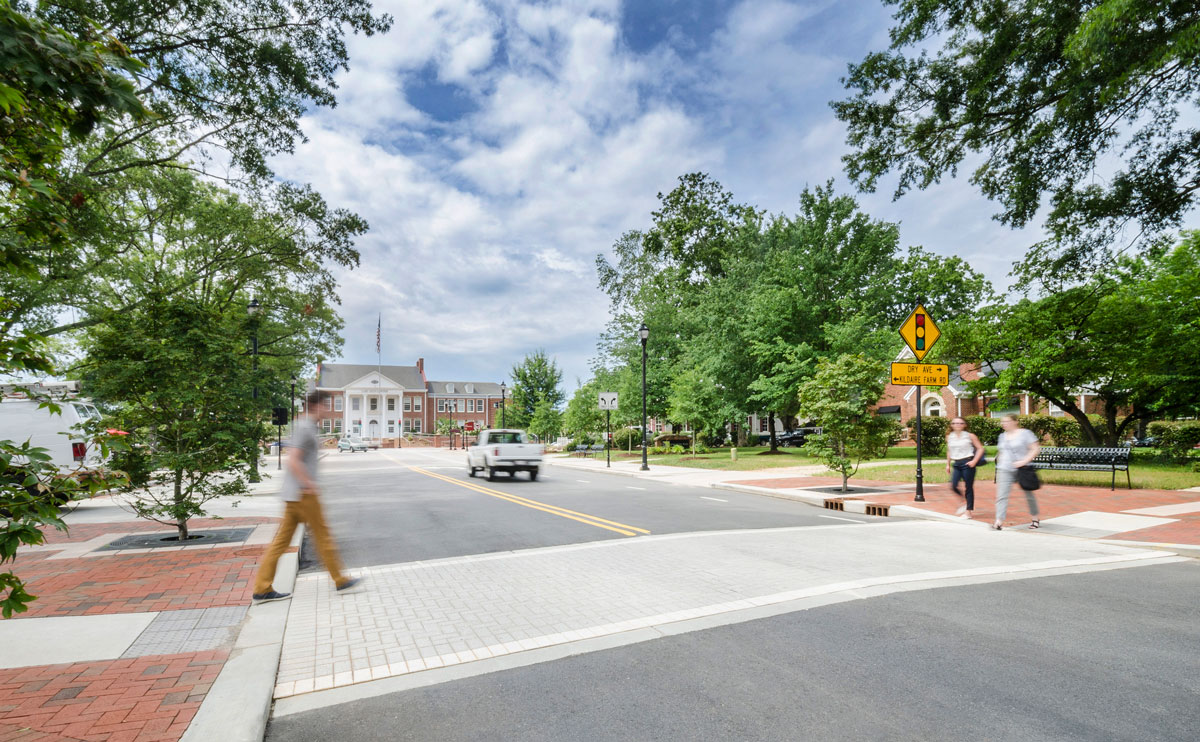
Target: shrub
<point>627,438</point>
<point>1176,440</point>
<point>136,464</point>
<point>933,434</point>
<point>987,428</point>
<point>677,449</point>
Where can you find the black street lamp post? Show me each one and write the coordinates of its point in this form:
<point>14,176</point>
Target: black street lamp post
<point>503,394</point>
<point>644,335</point>
<point>253,309</point>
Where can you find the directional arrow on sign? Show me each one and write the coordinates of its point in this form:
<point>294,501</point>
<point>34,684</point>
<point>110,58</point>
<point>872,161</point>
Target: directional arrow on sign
<point>608,400</point>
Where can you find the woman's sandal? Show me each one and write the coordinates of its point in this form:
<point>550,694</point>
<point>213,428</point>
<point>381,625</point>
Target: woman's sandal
<point>996,527</point>
<point>1036,523</point>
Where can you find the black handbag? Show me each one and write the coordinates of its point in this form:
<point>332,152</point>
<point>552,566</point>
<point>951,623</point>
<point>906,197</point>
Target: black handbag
<point>1028,479</point>
<point>982,459</point>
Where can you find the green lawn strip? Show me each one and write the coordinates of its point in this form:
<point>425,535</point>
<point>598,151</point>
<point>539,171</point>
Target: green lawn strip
<point>749,459</point>
<point>1143,476</point>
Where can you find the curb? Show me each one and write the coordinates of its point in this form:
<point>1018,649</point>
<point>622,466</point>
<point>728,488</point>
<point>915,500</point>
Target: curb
<point>907,511</point>
<point>238,705</point>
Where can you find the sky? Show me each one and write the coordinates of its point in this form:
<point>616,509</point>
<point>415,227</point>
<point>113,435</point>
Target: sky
<point>497,148</point>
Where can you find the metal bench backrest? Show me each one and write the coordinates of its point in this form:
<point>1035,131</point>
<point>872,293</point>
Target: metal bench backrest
<point>1105,456</point>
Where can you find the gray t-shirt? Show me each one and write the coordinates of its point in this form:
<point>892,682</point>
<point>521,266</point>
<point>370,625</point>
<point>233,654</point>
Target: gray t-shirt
<point>304,444</point>
<point>1013,448</point>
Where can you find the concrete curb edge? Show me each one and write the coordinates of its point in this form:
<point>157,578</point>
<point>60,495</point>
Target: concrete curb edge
<point>238,705</point>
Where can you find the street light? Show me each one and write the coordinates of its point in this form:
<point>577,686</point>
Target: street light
<point>644,334</point>
<point>503,392</point>
<point>253,309</point>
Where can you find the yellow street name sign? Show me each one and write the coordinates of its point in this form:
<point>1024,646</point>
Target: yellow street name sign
<point>919,332</point>
<point>920,374</point>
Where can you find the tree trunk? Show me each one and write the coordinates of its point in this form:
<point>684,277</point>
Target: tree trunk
<point>180,522</point>
<point>845,470</point>
<point>742,438</point>
<point>771,428</point>
<point>1110,425</point>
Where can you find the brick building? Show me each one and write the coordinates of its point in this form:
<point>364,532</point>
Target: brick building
<point>387,402</point>
<point>956,400</point>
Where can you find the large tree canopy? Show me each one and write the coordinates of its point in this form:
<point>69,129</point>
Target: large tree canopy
<point>1084,108</point>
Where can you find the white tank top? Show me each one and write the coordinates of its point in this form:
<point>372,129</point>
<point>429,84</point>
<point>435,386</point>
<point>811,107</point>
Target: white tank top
<point>959,445</point>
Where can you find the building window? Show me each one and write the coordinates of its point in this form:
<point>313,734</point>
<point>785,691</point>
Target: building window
<point>374,403</point>
<point>354,404</point>
<point>356,427</point>
<point>391,427</point>
<point>407,425</point>
<point>416,426</point>
<point>762,425</point>
<point>407,404</point>
<point>1000,407</point>
<point>470,405</point>
<point>417,404</point>
<point>933,408</point>
<point>337,404</point>
<point>441,405</point>
<point>391,404</point>
<point>329,403</point>
<point>326,426</point>
<point>1055,410</point>
<point>337,426</point>
<point>462,405</point>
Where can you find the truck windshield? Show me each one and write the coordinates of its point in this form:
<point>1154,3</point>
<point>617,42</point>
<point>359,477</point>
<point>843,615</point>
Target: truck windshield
<point>85,412</point>
<point>506,438</point>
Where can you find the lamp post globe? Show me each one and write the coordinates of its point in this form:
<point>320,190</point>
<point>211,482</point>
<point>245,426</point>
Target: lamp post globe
<point>644,335</point>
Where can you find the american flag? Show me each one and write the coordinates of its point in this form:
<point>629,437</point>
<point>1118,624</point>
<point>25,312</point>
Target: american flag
<point>378,327</point>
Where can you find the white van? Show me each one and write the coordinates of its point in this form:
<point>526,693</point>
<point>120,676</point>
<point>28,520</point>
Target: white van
<point>21,420</point>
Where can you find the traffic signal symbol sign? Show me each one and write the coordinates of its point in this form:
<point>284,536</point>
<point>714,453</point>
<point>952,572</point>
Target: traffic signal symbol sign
<point>919,332</point>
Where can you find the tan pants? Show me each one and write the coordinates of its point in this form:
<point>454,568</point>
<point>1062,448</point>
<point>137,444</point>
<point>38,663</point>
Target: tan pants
<point>307,511</point>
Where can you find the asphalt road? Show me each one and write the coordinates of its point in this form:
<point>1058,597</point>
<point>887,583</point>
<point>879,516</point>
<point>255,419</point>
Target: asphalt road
<point>1098,656</point>
<point>386,507</point>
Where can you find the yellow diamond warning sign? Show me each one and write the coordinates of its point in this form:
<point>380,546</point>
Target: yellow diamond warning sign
<point>919,332</point>
<point>920,374</point>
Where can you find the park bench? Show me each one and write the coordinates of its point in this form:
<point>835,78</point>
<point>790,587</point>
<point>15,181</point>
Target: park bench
<point>1085,459</point>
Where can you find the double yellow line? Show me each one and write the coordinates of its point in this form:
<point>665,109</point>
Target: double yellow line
<point>591,520</point>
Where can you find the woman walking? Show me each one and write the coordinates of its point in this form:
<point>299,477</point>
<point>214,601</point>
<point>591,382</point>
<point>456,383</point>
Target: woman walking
<point>1017,448</point>
<point>963,452</point>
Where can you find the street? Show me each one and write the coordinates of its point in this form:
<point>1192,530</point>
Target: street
<point>736,616</point>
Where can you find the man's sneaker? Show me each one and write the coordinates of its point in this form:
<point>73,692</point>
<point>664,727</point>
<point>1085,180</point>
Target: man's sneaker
<point>349,585</point>
<point>270,596</point>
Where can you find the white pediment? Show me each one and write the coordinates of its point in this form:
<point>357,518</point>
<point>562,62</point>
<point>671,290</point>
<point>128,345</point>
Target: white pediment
<point>374,381</point>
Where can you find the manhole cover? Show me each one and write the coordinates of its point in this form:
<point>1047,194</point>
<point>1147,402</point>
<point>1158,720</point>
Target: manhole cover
<point>163,539</point>
<point>835,490</point>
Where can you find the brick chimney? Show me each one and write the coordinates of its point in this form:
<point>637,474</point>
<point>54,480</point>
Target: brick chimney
<point>421,366</point>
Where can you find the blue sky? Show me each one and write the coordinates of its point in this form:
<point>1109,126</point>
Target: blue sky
<point>497,148</point>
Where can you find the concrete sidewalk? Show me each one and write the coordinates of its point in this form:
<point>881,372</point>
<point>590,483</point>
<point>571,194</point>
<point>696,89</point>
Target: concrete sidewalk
<point>695,477</point>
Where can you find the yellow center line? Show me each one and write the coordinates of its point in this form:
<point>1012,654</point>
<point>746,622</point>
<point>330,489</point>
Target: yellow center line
<point>591,520</point>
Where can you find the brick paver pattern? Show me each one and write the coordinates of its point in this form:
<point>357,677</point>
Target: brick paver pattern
<point>424,615</point>
<point>143,699</point>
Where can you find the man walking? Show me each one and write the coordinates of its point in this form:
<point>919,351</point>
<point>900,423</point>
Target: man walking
<point>302,504</point>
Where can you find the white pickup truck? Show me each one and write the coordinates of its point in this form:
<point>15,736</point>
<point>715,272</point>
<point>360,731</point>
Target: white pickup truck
<point>504,450</point>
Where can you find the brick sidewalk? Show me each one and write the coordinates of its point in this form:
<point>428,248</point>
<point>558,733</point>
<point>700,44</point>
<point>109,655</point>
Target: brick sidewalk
<point>1054,500</point>
<point>145,698</point>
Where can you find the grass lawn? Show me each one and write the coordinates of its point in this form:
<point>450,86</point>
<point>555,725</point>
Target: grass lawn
<point>1144,475</point>
<point>749,458</point>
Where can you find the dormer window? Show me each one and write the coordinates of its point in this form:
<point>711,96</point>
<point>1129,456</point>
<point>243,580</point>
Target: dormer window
<point>470,388</point>
<point>449,389</point>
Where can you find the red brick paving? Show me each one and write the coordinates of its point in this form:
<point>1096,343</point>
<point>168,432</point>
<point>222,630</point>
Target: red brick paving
<point>142,699</point>
<point>1054,500</point>
<point>134,583</point>
<point>88,531</point>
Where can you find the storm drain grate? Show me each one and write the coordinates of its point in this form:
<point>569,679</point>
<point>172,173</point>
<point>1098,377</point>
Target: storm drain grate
<point>835,505</point>
<point>877,509</point>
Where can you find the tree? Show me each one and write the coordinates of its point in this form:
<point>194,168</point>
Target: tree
<point>838,398</point>
<point>546,421</point>
<point>54,91</point>
<point>536,379</point>
<point>583,413</point>
<point>1050,95</point>
<point>1127,338</point>
<point>695,400</point>
<point>178,377</point>
<point>235,75</point>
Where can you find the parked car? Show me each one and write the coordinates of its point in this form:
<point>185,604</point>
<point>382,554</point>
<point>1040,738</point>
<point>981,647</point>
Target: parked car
<point>352,443</point>
<point>1149,441</point>
<point>23,419</point>
<point>504,450</point>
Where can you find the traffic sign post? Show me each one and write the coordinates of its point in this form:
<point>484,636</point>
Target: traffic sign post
<point>919,333</point>
<point>608,403</point>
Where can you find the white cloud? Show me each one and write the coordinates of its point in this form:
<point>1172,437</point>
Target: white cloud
<point>485,225</point>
